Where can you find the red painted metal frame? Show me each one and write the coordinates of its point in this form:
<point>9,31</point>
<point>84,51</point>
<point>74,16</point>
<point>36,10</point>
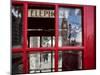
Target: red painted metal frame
<point>25,60</point>
<point>56,37</point>
<point>88,35</point>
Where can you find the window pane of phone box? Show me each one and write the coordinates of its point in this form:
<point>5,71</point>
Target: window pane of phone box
<point>17,66</point>
<point>70,60</point>
<point>70,27</point>
<point>17,14</point>
<point>41,62</point>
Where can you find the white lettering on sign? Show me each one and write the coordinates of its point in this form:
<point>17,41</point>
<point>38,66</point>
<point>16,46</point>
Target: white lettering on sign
<point>41,13</point>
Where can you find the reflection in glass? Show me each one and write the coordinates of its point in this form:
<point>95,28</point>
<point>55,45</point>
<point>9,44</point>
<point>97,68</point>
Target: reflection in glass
<point>16,12</point>
<point>41,23</point>
<point>46,41</point>
<point>34,41</point>
<point>17,66</point>
<point>34,60</point>
<point>45,60</point>
<point>41,62</point>
<point>41,41</point>
<point>70,27</point>
<point>70,60</point>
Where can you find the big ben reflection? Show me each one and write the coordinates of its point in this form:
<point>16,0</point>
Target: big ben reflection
<point>70,31</point>
<point>65,31</point>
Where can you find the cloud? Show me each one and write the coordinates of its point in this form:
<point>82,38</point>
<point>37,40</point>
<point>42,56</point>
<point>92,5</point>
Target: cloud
<point>77,11</point>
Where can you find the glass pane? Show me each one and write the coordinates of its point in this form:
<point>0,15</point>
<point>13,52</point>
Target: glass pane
<point>70,60</point>
<point>41,23</point>
<point>46,41</point>
<point>17,66</point>
<point>70,27</point>
<point>34,41</point>
<point>46,60</point>
<point>17,13</point>
<point>40,62</point>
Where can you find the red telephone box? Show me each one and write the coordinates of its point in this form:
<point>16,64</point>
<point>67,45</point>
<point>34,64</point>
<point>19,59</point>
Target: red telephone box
<point>52,37</point>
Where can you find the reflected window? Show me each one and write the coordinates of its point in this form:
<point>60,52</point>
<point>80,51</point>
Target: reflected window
<point>70,27</point>
<point>34,41</point>
<point>41,62</point>
<point>46,41</point>
<point>41,41</point>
